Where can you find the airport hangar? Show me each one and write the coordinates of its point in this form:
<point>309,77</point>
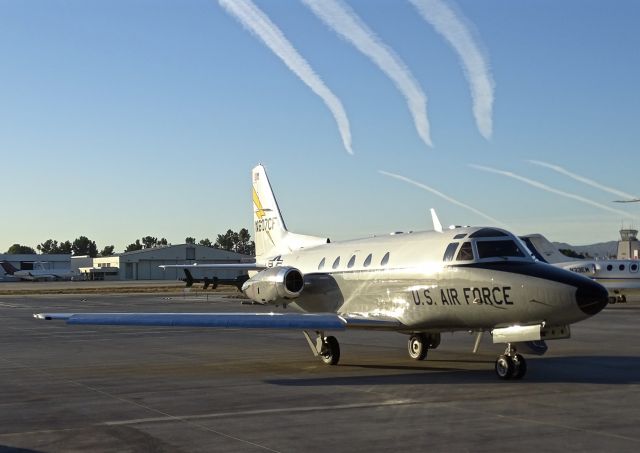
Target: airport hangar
<point>143,264</point>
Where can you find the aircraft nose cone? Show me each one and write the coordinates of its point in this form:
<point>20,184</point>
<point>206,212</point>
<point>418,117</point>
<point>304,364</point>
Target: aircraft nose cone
<point>591,297</point>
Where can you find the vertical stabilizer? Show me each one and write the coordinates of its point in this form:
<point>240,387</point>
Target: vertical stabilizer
<point>269,227</point>
<point>270,232</point>
<point>9,269</point>
<point>544,250</point>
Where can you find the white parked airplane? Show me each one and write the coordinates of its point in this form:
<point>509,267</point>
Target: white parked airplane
<point>38,273</point>
<point>620,277</point>
<point>421,284</point>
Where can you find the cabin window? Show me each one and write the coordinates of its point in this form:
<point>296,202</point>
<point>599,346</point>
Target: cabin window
<point>321,265</point>
<point>634,267</point>
<point>450,252</point>
<point>621,267</point>
<point>351,262</point>
<point>336,263</point>
<point>385,259</point>
<point>465,253</point>
<point>460,236</point>
<point>367,261</point>
<point>609,267</point>
<point>498,249</point>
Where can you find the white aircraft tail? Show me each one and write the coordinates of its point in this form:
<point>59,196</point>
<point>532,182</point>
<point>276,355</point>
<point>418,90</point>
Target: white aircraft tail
<point>545,249</point>
<point>270,232</point>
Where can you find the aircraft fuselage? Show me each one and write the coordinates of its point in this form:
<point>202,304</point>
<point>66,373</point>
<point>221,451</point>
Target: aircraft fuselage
<point>416,286</point>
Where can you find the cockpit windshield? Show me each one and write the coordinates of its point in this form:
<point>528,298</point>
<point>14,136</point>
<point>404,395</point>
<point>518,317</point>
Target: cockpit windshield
<point>499,249</point>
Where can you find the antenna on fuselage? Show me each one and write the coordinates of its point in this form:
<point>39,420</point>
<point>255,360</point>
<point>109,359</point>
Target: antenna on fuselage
<point>437,226</point>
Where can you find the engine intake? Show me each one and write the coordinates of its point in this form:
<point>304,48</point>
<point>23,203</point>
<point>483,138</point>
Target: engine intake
<point>273,284</point>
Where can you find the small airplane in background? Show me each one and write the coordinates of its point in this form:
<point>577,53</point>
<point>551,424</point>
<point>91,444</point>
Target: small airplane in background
<point>213,281</point>
<point>38,274</point>
<point>472,279</point>
<point>620,277</point>
<point>634,200</point>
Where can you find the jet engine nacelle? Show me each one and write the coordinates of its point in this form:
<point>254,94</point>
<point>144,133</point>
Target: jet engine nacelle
<point>273,284</point>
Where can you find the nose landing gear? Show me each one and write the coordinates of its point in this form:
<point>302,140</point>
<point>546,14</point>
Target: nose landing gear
<point>326,348</point>
<point>511,365</point>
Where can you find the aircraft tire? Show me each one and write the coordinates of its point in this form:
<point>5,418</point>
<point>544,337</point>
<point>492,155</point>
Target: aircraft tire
<point>417,347</point>
<point>332,353</point>
<point>504,367</point>
<point>520,367</point>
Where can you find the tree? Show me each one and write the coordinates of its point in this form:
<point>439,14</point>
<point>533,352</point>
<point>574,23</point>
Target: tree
<point>163,241</point>
<point>227,241</point>
<point>245,244</point>
<point>17,249</point>
<point>149,242</point>
<point>238,242</point>
<point>206,242</point>
<point>134,246</point>
<point>107,251</point>
<point>190,240</point>
<point>48,247</point>
<point>84,246</point>
<point>571,253</point>
<point>65,248</point>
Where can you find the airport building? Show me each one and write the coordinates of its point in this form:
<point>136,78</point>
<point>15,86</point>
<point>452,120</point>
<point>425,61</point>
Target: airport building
<point>144,264</point>
<point>137,265</point>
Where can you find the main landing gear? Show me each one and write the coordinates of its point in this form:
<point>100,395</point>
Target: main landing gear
<point>327,348</point>
<point>511,365</point>
<point>420,343</point>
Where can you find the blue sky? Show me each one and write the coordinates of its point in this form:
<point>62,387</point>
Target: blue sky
<point>121,119</point>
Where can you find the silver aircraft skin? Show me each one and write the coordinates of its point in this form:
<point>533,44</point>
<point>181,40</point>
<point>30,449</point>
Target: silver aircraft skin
<point>477,279</point>
<point>620,277</point>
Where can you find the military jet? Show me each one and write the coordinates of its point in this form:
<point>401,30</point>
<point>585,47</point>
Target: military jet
<point>478,279</point>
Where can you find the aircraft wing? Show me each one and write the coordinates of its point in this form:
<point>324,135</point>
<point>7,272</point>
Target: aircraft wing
<point>298,321</point>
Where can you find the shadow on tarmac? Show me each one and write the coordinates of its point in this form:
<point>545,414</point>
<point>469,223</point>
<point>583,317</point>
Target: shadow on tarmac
<point>611,370</point>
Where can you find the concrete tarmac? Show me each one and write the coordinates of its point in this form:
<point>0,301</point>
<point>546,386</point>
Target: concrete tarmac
<point>89,388</point>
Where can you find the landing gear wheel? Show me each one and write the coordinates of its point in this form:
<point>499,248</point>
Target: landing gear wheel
<point>417,347</point>
<point>520,365</point>
<point>331,351</point>
<point>504,367</point>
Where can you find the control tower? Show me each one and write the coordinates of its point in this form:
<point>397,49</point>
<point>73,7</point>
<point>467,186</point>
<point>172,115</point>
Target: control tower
<point>628,246</point>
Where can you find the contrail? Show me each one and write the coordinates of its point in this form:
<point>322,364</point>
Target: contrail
<point>344,21</point>
<point>476,69</point>
<point>539,185</point>
<point>441,195</point>
<point>257,22</point>
<point>582,179</point>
